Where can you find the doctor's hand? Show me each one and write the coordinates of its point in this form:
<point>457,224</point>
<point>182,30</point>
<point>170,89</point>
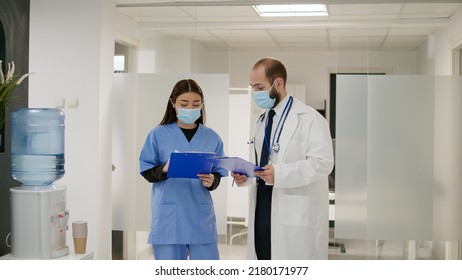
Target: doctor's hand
<point>207,179</point>
<point>239,179</point>
<point>267,174</point>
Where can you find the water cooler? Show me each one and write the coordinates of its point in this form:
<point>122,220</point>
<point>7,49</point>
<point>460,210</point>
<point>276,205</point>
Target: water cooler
<point>39,217</point>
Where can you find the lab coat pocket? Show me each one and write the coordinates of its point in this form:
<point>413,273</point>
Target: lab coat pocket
<point>295,210</point>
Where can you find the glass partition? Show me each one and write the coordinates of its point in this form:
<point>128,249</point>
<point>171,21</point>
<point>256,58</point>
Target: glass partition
<point>398,159</point>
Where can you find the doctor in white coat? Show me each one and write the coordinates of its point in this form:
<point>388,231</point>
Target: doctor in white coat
<point>289,202</point>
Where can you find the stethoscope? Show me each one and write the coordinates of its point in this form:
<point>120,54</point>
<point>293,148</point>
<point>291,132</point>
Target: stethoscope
<point>275,147</point>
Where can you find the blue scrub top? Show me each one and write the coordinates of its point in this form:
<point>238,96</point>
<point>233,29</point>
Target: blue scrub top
<point>182,209</point>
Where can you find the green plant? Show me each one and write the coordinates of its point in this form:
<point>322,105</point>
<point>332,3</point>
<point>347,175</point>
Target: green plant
<point>7,84</point>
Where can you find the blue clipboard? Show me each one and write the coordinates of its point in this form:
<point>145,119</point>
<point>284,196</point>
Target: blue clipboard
<point>237,165</point>
<point>188,165</point>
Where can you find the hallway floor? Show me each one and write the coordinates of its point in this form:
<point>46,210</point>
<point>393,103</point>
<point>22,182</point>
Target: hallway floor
<point>354,249</point>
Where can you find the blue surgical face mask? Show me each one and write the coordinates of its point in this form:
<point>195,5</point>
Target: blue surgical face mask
<point>188,116</point>
<point>263,99</point>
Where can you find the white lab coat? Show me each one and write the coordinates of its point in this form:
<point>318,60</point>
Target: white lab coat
<point>300,200</point>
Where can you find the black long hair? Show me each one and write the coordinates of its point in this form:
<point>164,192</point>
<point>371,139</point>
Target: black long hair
<point>181,87</point>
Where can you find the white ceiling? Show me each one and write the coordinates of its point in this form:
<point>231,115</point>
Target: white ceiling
<point>234,25</point>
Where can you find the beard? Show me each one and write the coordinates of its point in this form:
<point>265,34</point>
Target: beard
<point>275,95</point>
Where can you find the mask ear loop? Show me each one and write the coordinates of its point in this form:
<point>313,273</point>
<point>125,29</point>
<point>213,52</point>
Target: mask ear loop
<point>269,90</point>
<point>277,84</point>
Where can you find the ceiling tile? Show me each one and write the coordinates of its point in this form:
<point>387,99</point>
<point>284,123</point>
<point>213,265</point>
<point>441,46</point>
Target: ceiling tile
<point>254,46</point>
<point>162,19</point>
<point>217,46</point>
<point>220,11</point>
<point>303,46</point>
<point>410,31</point>
<point>364,17</point>
<point>401,45</point>
<point>153,12</point>
<point>355,40</point>
<point>302,39</point>
<point>298,32</point>
<point>237,39</point>
<point>228,19</point>
<point>413,39</point>
<point>241,33</point>
<point>184,33</point>
<point>363,9</point>
<point>357,32</point>
<point>356,45</point>
<point>426,16</point>
<point>430,8</point>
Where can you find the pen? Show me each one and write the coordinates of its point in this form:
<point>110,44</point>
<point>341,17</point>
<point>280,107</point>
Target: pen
<point>232,185</point>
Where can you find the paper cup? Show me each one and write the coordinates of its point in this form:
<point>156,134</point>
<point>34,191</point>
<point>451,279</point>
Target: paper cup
<point>80,233</point>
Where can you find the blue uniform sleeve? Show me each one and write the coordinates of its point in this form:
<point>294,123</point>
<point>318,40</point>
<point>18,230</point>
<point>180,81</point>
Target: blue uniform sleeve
<point>149,156</point>
<point>219,152</point>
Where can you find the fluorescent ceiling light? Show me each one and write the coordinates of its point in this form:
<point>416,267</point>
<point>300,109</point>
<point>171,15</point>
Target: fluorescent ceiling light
<point>291,10</point>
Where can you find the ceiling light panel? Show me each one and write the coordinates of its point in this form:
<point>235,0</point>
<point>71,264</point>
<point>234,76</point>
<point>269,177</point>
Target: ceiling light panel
<point>291,10</point>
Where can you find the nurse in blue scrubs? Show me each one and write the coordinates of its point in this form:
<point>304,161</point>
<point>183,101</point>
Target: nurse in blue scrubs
<point>183,217</point>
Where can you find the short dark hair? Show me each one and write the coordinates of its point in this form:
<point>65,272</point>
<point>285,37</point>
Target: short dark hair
<point>181,87</point>
<point>273,69</point>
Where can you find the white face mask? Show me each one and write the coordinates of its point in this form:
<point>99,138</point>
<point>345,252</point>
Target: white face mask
<point>188,116</point>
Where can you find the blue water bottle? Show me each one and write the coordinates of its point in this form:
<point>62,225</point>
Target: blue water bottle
<point>37,146</point>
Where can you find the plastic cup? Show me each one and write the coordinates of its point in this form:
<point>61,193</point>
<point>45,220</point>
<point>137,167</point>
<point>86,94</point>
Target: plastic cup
<point>80,233</point>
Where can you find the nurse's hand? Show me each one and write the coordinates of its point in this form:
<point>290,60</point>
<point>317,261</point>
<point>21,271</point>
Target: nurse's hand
<point>239,179</point>
<point>267,174</point>
<point>165,169</point>
<point>207,179</point>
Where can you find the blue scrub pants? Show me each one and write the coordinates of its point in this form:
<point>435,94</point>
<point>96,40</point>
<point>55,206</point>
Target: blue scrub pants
<point>183,251</point>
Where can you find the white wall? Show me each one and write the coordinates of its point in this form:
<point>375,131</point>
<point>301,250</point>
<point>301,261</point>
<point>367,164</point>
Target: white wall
<point>312,68</point>
<point>446,40</point>
<point>126,30</point>
<point>435,56</point>
<point>71,54</point>
<point>159,54</point>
